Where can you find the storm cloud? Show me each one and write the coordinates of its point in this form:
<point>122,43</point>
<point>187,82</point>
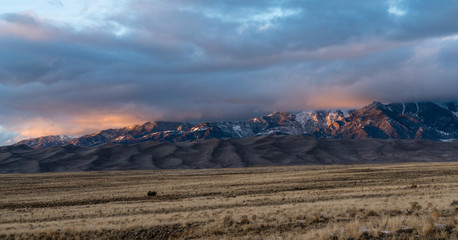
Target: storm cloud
<point>111,65</point>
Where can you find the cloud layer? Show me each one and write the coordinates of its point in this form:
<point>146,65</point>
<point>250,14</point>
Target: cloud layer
<point>209,59</point>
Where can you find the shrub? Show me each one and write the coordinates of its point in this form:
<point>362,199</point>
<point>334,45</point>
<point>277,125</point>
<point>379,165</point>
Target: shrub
<point>151,194</point>
<point>228,221</point>
<point>415,206</point>
<point>428,229</point>
<point>436,215</point>
<point>371,213</point>
<point>455,205</point>
<point>244,220</point>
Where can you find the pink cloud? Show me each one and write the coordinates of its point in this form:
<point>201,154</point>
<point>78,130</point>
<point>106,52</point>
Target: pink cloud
<point>25,25</point>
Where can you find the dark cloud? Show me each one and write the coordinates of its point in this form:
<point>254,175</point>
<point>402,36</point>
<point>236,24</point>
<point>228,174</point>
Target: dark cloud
<point>23,19</point>
<point>214,60</point>
<point>448,55</point>
<point>425,19</point>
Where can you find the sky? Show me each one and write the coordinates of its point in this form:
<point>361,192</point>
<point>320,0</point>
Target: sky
<point>78,66</point>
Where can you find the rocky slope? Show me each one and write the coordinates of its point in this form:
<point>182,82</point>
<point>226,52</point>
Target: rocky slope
<point>270,150</point>
<point>46,141</point>
<point>393,121</point>
<point>281,123</point>
<point>399,121</point>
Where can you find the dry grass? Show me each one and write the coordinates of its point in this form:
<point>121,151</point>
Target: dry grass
<point>398,201</point>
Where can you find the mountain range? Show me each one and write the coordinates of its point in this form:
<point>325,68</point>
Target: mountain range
<point>424,120</point>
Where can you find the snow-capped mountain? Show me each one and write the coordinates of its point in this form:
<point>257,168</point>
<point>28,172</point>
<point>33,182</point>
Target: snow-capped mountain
<point>130,134</point>
<point>398,121</point>
<point>46,141</point>
<point>425,120</point>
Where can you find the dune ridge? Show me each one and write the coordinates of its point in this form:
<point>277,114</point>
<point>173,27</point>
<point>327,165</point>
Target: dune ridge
<point>272,150</point>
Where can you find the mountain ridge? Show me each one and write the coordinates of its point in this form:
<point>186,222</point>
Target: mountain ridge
<point>423,120</point>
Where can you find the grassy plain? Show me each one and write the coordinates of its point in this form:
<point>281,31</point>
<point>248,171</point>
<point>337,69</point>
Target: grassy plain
<point>395,201</point>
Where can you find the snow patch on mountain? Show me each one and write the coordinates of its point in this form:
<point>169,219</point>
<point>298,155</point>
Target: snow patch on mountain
<point>312,121</point>
<point>238,130</point>
<point>198,128</point>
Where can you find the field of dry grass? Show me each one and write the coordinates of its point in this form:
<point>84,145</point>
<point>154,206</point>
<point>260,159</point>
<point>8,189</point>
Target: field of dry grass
<point>397,201</point>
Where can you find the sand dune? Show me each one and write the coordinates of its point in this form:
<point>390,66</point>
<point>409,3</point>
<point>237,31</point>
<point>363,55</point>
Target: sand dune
<point>222,153</point>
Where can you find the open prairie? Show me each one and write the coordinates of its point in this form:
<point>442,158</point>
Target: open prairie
<point>393,201</point>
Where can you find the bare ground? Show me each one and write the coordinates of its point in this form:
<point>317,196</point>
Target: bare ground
<point>393,201</point>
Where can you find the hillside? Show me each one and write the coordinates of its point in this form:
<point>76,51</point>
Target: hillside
<point>270,150</point>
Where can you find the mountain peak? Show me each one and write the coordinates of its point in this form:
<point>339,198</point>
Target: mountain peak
<point>375,104</point>
<point>46,141</point>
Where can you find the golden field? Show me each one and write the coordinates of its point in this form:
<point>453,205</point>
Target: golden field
<point>393,201</point>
